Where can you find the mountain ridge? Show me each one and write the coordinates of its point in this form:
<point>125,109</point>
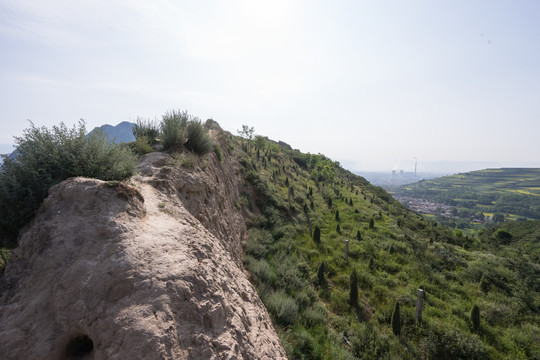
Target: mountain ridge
<point>120,133</point>
<point>256,205</point>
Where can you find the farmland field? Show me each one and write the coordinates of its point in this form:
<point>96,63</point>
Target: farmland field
<point>512,193</point>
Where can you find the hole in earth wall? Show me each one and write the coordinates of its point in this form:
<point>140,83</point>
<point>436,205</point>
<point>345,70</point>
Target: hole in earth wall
<point>79,347</point>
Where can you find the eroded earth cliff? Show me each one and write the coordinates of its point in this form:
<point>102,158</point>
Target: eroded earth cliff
<point>146,269</point>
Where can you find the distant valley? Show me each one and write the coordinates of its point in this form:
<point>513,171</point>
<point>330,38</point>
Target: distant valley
<point>391,179</point>
<point>470,199</point>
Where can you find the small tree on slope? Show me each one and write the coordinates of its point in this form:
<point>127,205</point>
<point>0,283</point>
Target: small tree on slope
<point>396,320</point>
<point>353,291</point>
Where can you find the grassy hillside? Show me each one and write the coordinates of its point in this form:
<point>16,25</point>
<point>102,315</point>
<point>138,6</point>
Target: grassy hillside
<point>508,193</point>
<point>327,307</point>
<point>482,292</point>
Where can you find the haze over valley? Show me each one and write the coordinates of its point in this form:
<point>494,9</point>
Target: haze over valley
<point>372,85</point>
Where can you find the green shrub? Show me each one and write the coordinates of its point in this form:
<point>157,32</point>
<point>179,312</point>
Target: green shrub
<point>258,242</point>
<point>499,314</point>
<point>198,140</point>
<point>263,271</point>
<point>449,343</point>
<point>305,297</point>
<point>339,301</point>
<point>173,129</point>
<point>288,273</point>
<point>219,153</point>
<point>305,346</point>
<point>524,342</point>
<point>141,145</point>
<point>283,307</point>
<point>5,255</point>
<point>148,129</point>
<point>367,343</point>
<point>315,315</point>
<point>503,236</point>
<point>48,156</point>
<point>255,249</point>
<point>98,158</point>
<point>365,280</point>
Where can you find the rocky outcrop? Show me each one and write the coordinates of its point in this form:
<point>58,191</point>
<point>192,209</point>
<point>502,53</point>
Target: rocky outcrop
<point>208,190</point>
<point>147,269</point>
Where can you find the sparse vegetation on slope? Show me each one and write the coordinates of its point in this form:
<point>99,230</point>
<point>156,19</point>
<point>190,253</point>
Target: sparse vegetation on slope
<point>177,131</point>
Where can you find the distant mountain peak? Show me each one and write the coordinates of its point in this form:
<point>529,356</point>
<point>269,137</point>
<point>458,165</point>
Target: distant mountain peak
<point>123,132</point>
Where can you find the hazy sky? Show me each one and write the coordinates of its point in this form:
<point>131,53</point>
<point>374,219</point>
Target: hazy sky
<point>372,84</point>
